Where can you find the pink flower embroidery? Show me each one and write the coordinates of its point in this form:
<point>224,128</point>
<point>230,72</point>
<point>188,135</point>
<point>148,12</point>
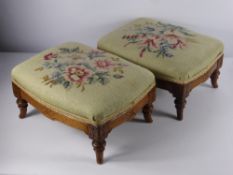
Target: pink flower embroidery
<point>157,38</point>
<point>50,56</point>
<point>80,68</point>
<point>103,64</point>
<point>77,74</point>
<point>175,41</point>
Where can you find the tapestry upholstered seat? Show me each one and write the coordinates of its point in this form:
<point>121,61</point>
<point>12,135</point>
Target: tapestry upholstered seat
<point>85,88</point>
<point>180,58</point>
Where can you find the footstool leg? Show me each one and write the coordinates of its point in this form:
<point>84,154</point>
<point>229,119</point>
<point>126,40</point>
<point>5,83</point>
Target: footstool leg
<point>147,111</point>
<point>214,78</point>
<point>180,104</point>
<point>22,104</point>
<point>98,134</point>
<point>99,146</point>
<point>148,108</point>
<point>180,94</point>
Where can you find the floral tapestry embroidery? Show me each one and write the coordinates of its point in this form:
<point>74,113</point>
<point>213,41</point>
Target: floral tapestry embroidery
<point>74,67</point>
<point>157,38</point>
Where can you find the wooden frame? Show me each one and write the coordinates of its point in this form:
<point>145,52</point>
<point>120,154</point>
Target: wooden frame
<point>181,91</point>
<point>98,134</point>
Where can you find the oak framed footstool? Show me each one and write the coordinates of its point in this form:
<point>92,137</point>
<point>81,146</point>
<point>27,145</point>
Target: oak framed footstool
<point>180,59</point>
<point>84,88</point>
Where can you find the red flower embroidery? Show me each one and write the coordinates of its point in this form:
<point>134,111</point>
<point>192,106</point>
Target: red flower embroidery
<point>142,52</point>
<point>78,74</point>
<point>176,41</point>
<point>103,64</point>
<point>50,56</point>
<point>157,38</point>
<point>79,68</point>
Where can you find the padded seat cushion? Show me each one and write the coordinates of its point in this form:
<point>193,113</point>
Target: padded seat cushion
<point>86,84</point>
<point>171,52</point>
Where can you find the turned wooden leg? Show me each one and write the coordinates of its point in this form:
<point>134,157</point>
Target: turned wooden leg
<point>99,146</point>
<point>22,104</point>
<point>180,93</point>
<point>98,135</point>
<point>180,104</point>
<point>148,108</point>
<point>214,78</point>
<point>147,111</point>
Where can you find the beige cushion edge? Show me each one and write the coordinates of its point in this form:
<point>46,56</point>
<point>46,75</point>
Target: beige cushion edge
<point>54,108</point>
<point>202,72</point>
<point>171,79</point>
<point>84,119</point>
<point>136,100</point>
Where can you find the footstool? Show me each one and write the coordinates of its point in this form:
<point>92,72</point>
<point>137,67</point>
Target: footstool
<point>181,59</point>
<point>84,88</point>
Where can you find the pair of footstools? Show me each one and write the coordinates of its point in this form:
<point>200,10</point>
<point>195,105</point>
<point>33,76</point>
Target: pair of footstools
<point>96,91</point>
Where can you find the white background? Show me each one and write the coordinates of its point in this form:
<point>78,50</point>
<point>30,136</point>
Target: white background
<point>202,144</point>
<point>33,25</point>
